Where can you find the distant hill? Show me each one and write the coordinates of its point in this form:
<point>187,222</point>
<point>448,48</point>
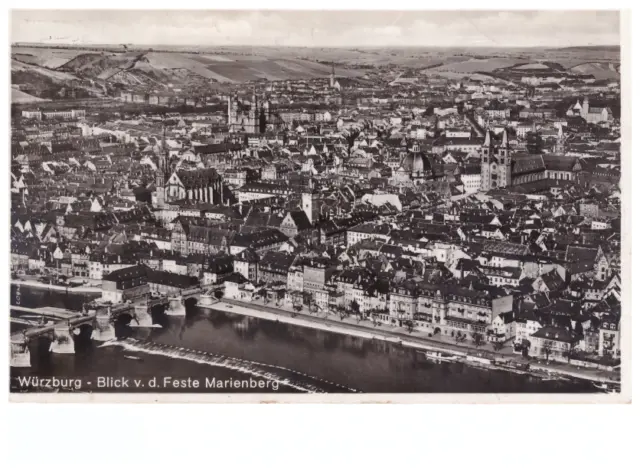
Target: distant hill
<point>601,48</point>
<point>600,70</point>
<point>153,68</point>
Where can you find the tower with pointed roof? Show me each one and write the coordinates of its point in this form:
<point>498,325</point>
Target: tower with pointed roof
<point>560,141</point>
<point>332,77</point>
<point>253,125</point>
<point>495,163</point>
<point>161,171</point>
<point>311,202</point>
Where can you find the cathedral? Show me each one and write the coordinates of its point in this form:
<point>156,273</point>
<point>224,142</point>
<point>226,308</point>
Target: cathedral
<point>201,185</point>
<point>257,119</point>
<point>502,168</point>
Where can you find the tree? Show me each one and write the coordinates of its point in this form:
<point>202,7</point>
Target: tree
<point>498,345</point>
<point>478,339</point>
<point>355,307</point>
<point>409,325</point>
<point>568,354</point>
<point>263,294</point>
<point>307,297</point>
<point>546,348</point>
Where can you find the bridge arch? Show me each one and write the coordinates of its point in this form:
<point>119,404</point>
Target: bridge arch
<point>190,302</point>
<point>81,335</point>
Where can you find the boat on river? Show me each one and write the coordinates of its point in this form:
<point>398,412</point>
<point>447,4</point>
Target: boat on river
<point>440,356</point>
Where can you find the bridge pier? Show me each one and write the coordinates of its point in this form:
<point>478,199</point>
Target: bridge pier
<point>62,342</point>
<point>205,299</point>
<point>142,316</point>
<point>20,354</point>
<point>103,329</point>
<point>176,306</point>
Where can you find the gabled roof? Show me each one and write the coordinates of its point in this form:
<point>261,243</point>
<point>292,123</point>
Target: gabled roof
<point>556,334</point>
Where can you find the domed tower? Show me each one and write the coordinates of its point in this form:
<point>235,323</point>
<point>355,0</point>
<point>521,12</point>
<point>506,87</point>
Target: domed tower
<point>416,163</point>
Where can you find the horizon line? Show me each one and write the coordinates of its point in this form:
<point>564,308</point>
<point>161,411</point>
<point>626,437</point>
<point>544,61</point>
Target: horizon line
<point>88,44</point>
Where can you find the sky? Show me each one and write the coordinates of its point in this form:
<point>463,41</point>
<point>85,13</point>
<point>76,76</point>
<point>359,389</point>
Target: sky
<point>319,28</point>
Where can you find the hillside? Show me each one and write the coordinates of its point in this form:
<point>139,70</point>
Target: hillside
<point>17,66</point>
<point>601,71</point>
<point>20,97</point>
<point>472,65</point>
<point>97,69</point>
<point>153,68</point>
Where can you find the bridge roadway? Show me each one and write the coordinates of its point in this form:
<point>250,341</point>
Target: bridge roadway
<point>75,319</point>
<point>79,319</point>
<point>47,311</point>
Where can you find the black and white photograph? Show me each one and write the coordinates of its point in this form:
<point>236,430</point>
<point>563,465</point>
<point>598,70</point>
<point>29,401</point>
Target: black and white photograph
<point>277,204</point>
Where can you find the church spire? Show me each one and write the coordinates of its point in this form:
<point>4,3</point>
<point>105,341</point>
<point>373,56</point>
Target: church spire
<point>162,169</point>
<point>505,140</point>
<point>332,77</point>
<point>487,138</point>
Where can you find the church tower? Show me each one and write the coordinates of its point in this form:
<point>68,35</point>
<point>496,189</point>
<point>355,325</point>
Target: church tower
<point>161,172</point>
<point>332,77</point>
<point>495,169</point>
<point>585,108</point>
<point>254,115</point>
<point>504,162</point>
<point>560,141</point>
<point>486,155</point>
<point>232,112</point>
<point>310,202</point>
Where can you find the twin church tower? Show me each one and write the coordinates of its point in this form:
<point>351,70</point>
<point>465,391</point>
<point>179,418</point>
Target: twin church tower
<point>259,116</point>
<point>254,121</point>
<point>495,163</point>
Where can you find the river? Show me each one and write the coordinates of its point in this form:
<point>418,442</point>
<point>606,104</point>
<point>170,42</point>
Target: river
<point>213,346</point>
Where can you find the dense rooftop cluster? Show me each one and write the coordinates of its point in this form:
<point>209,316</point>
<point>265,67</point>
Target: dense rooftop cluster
<point>468,209</point>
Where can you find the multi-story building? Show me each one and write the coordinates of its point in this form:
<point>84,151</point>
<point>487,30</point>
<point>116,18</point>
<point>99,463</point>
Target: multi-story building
<point>246,263</point>
<point>551,342</point>
<point>274,267</point>
<point>126,284</point>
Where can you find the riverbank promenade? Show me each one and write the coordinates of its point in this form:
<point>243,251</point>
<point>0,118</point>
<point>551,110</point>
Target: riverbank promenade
<point>417,339</point>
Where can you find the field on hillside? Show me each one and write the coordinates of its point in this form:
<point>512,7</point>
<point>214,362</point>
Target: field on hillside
<point>49,58</point>
<point>239,68</point>
<point>473,65</point>
<point>601,71</point>
<point>197,65</point>
<point>150,67</point>
<point>52,74</point>
<point>20,97</point>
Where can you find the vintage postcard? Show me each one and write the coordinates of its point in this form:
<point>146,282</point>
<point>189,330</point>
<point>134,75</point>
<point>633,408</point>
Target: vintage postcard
<point>333,206</point>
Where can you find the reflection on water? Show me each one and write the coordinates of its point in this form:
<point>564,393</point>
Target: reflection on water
<point>207,343</point>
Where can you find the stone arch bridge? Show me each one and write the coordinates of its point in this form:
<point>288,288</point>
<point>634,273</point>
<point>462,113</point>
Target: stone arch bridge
<point>101,317</point>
